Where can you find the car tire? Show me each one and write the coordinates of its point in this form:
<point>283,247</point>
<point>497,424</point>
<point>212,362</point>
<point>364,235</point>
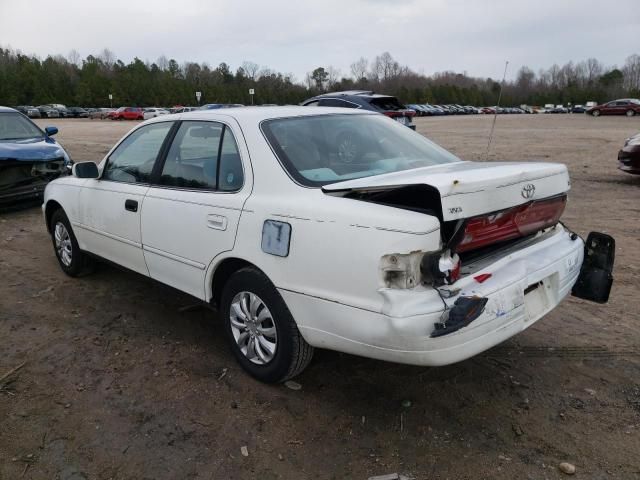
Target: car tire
<point>263,335</point>
<point>596,113</point>
<point>65,245</point>
<point>630,113</point>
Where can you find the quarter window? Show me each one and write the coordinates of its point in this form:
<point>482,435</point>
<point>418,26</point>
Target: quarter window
<point>203,155</point>
<point>133,160</point>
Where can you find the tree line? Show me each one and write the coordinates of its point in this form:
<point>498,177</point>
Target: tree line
<point>72,80</point>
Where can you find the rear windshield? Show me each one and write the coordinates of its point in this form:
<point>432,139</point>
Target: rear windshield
<point>387,104</point>
<point>15,126</point>
<point>323,149</point>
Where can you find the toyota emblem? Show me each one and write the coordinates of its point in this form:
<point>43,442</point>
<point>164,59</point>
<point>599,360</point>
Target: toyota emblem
<point>528,190</point>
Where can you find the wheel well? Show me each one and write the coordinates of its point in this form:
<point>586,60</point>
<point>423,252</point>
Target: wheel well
<point>51,207</point>
<point>226,268</point>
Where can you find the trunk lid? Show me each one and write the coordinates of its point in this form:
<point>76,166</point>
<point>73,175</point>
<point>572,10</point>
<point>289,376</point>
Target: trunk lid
<point>469,189</point>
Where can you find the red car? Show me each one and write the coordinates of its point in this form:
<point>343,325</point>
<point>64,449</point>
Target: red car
<point>629,155</point>
<point>127,113</point>
<point>624,106</point>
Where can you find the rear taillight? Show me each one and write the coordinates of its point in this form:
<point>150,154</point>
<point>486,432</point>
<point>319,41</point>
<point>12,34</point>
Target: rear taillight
<point>399,113</point>
<point>511,224</point>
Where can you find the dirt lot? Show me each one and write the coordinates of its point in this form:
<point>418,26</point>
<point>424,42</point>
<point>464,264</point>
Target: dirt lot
<point>120,382</point>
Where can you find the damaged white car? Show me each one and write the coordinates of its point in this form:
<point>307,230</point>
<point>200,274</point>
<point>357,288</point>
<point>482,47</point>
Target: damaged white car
<point>330,228</point>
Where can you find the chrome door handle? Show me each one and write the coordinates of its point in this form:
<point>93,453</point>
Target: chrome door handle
<point>217,222</point>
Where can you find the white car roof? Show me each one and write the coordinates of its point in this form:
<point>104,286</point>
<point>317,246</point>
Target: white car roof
<point>257,114</point>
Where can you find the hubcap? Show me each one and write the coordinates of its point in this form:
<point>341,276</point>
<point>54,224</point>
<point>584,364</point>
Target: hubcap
<point>253,328</point>
<point>64,248</point>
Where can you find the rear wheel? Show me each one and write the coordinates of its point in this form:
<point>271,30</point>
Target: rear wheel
<point>596,113</point>
<point>630,113</point>
<point>71,259</point>
<point>263,335</point>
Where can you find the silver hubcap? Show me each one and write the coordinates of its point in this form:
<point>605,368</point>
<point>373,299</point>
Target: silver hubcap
<point>63,244</point>
<point>253,328</point>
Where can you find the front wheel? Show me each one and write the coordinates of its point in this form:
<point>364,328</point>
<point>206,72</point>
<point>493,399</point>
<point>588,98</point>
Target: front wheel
<point>262,333</point>
<point>630,113</point>
<point>71,259</point>
<point>596,113</point>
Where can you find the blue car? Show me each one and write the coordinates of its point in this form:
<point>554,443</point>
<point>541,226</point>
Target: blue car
<point>29,158</point>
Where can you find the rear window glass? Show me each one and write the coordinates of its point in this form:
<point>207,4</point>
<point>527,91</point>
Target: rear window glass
<point>387,103</point>
<point>323,149</point>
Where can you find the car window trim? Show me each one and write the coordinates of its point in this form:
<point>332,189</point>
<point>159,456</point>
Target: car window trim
<point>106,161</point>
<point>155,181</point>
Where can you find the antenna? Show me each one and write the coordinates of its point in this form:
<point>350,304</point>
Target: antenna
<point>495,113</point>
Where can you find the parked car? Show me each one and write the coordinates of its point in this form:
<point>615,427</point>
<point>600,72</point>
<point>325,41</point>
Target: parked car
<point>63,111</point>
<point>183,109</point>
<point>47,112</point>
<point>154,112</point>
<point>399,252</point>
<point>29,158</point>
<point>625,106</point>
<point>216,106</point>
<point>77,112</point>
<point>100,113</point>
<point>29,111</point>
<point>126,113</point>
<point>578,109</point>
<point>366,100</point>
<point>629,155</point>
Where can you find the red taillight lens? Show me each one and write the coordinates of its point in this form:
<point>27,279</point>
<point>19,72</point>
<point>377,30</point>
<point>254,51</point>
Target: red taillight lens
<point>511,224</point>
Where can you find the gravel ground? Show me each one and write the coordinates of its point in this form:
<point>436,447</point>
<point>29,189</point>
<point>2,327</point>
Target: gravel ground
<point>119,381</point>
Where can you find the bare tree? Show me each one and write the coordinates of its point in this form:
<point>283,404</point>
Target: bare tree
<point>594,70</point>
<point>631,71</point>
<point>359,69</point>
<point>107,57</point>
<point>333,76</point>
<point>162,62</point>
<point>74,57</point>
<point>250,69</point>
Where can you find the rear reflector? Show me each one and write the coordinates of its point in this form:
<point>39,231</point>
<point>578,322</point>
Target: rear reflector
<point>511,224</point>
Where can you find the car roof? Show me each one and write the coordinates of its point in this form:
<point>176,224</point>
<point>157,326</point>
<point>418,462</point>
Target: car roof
<point>7,109</point>
<point>258,113</point>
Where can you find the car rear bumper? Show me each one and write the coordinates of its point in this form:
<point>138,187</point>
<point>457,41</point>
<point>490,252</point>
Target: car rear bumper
<point>546,270</point>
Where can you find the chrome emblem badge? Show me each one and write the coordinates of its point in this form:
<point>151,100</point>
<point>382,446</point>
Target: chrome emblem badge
<point>528,190</point>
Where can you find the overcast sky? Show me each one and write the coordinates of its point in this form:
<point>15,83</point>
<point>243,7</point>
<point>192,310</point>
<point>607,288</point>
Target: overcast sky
<point>297,36</point>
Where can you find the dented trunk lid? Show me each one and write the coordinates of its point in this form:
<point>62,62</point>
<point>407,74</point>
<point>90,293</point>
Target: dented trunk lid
<point>468,189</point>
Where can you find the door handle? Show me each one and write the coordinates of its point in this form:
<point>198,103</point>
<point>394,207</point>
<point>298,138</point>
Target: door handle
<point>131,205</point>
<point>217,222</point>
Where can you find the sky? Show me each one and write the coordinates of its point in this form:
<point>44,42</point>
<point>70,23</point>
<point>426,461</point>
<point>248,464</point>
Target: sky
<point>295,37</point>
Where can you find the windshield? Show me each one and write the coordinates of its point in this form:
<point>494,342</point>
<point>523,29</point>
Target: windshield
<point>15,126</point>
<point>323,149</point>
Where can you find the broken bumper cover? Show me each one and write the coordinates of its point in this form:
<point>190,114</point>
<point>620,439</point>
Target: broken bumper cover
<point>24,181</point>
<point>546,271</point>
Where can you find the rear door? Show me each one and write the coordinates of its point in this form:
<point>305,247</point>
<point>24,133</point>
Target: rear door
<point>109,207</point>
<point>192,209</point>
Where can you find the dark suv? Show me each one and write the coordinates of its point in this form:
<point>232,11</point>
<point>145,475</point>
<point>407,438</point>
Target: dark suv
<point>367,100</point>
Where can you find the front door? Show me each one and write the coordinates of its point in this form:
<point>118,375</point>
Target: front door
<point>109,207</point>
<point>192,209</point>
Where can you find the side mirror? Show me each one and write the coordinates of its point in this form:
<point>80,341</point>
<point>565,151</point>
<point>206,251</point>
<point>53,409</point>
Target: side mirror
<point>85,170</point>
<point>50,131</point>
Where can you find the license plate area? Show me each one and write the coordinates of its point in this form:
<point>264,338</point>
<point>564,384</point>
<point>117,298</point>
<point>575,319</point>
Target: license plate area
<point>536,301</point>
<point>402,120</point>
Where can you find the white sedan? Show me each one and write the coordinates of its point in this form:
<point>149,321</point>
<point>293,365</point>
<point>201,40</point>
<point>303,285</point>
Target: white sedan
<point>154,112</point>
<point>330,228</point>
